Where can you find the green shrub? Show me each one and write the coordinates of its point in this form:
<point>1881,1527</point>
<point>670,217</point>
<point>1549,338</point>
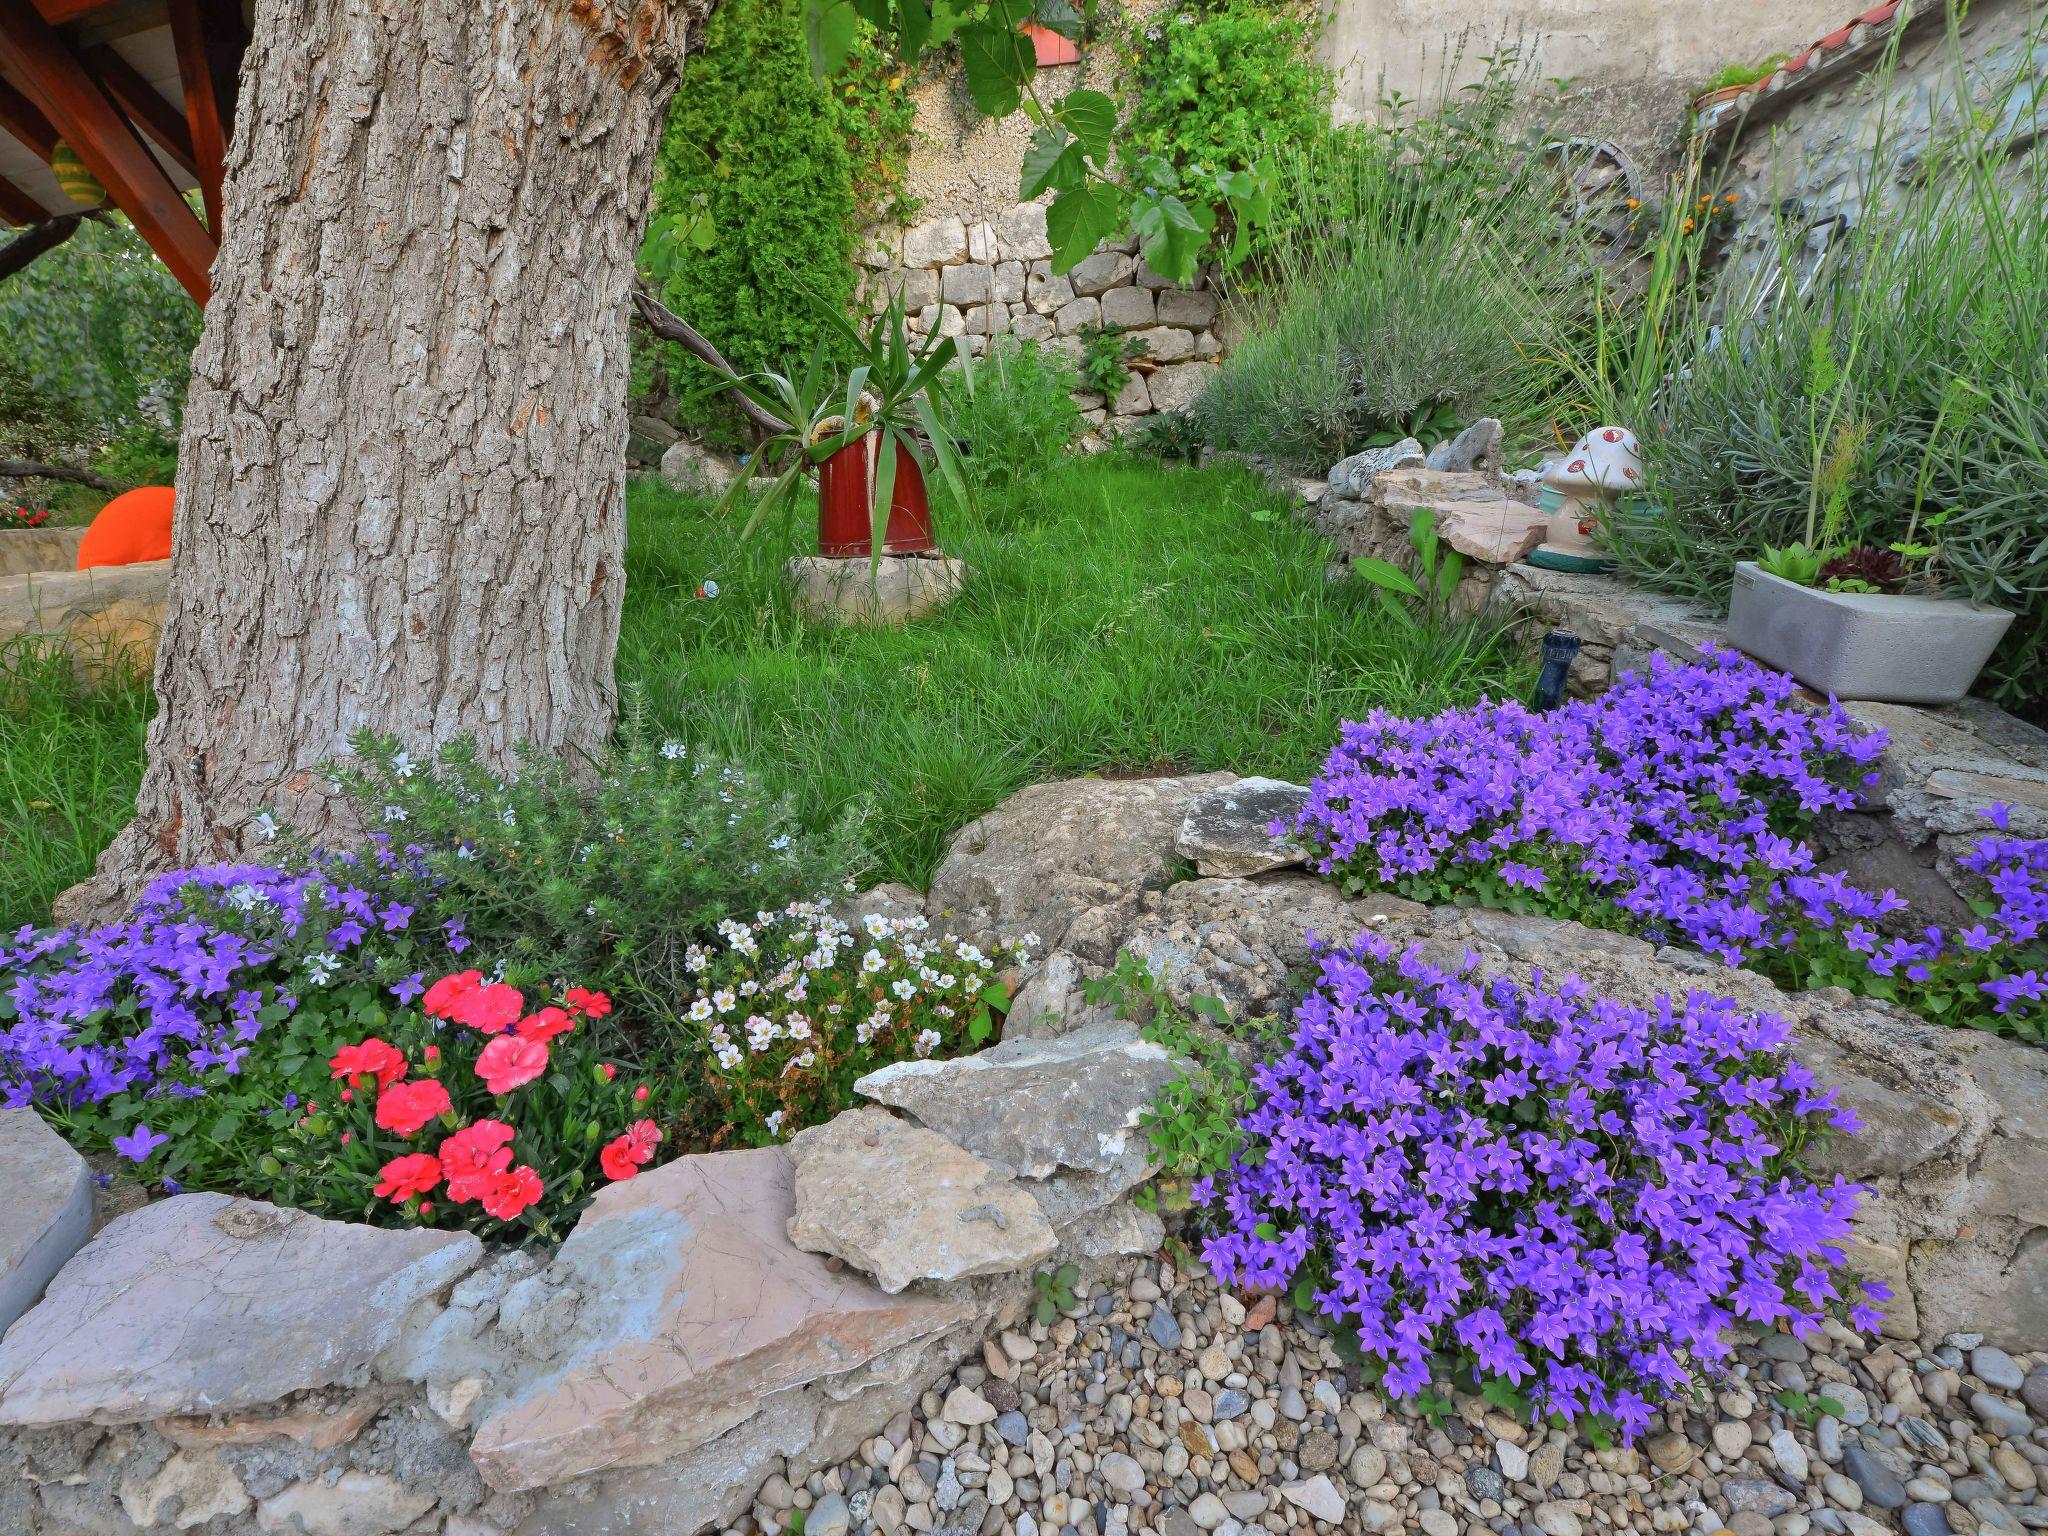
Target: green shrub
<point>101,323</point>
<point>1420,279</point>
<point>1020,417</point>
<point>604,872</point>
<point>755,136</point>
<point>37,422</point>
<point>877,116</point>
<point>1219,83</point>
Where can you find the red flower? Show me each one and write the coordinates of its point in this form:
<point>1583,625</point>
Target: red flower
<point>610,1071</point>
<point>511,1193</point>
<point>490,1009</point>
<point>406,1107</point>
<point>592,1005</point>
<point>545,1025</point>
<point>624,1156</point>
<point>371,1058</point>
<point>442,995</point>
<point>432,1053</point>
<point>413,1174</point>
<point>640,1094</point>
<point>474,1157</point>
<point>511,1061</point>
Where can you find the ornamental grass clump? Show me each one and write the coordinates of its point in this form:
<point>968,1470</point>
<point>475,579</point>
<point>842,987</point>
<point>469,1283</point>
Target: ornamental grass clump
<point>1559,1200</point>
<point>1677,806</point>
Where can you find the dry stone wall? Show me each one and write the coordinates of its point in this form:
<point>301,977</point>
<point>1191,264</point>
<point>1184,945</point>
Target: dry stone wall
<point>986,279</point>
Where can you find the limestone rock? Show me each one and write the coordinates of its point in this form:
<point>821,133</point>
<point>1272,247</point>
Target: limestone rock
<point>1053,852</point>
<point>696,1314</point>
<point>1177,386</point>
<point>1049,999</point>
<point>353,1504</point>
<point>935,243</point>
<point>697,470</point>
<point>47,1214</point>
<point>1036,1107</point>
<point>1241,941</point>
<point>1471,513</point>
<point>1479,444</point>
<point>189,1489</point>
<point>107,616</point>
<point>1354,476</point>
<point>858,591</point>
<point>1224,831</point>
<point>208,1304</point>
<point>39,549</point>
<point>902,1204</point>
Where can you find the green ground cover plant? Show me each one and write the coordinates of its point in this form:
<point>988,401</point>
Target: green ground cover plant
<point>70,762</point>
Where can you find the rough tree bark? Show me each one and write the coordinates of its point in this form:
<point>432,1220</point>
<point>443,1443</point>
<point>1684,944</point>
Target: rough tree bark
<point>400,485</point>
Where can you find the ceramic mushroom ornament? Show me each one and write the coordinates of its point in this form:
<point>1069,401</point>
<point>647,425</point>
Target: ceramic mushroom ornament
<point>1602,467</point>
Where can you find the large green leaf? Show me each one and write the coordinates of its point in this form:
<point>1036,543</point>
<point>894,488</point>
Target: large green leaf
<point>829,30</point>
<point>1000,64</point>
<point>1171,234</point>
<point>1079,220</point>
<point>1053,163</point>
<point>1090,117</point>
<point>1061,17</point>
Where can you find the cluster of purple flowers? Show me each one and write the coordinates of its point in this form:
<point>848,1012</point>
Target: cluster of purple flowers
<point>179,990</point>
<point>1675,804</point>
<point>1537,1185</point>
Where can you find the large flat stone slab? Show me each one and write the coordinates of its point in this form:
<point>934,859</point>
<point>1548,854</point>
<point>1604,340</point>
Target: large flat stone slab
<point>903,1204</point>
<point>693,1310</point>
<point>45,1209</point>
<point>208,1304</point>
<point>1225,830</point>
<point>1036,1107</point>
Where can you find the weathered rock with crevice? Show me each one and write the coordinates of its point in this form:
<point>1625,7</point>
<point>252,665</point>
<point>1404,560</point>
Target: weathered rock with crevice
<point>903,1204</point>
<point>208,1304</point>
<point>1055,852</point>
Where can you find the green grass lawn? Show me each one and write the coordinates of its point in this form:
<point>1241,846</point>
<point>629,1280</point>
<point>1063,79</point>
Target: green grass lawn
<point>1123,618</point>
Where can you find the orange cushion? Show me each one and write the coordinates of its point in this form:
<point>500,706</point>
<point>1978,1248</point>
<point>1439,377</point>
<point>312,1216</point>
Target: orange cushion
<point>133,527</point>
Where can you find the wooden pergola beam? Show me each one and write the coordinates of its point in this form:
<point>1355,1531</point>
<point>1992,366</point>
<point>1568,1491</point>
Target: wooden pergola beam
<point>145,108</point>
<point>20,120</point>
<point>57,82</point>
<point>208,37</point>
<point>17,207</point>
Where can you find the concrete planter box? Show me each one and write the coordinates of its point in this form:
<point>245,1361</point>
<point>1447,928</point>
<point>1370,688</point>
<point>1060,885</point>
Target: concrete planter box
<point>1864,645</point>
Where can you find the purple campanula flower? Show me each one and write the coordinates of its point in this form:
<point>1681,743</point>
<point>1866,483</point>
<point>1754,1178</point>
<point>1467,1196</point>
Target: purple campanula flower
<point>139,1143</point>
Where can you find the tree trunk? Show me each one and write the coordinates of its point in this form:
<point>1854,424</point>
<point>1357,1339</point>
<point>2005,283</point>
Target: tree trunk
<point>400,486</point>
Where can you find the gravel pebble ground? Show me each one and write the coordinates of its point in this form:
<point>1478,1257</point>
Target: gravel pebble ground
<point>1164,1406</point>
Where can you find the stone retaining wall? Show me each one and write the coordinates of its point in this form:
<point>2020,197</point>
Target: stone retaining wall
<point>988,279</point>
<point>223,1365</point>
<point>107,617</point>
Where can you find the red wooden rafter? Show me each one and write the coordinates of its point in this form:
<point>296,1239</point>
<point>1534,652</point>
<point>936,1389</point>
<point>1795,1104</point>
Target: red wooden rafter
<point>20,120</point>
<point>58,83</point>
<point>207,35</point>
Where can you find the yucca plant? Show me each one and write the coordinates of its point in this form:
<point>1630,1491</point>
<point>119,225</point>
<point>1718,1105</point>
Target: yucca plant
<point>896,389</point>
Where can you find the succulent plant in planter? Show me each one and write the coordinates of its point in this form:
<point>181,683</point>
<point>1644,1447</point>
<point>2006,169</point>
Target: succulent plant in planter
<point>869,432</point>
<point>1857,619</point>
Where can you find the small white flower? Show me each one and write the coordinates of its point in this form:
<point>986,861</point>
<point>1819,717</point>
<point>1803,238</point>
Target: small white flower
<point>508,818</point>
<point>905,989</point>
<point>465,852</point>
<point>673,750</point>
<point>700,1010</point>
<point>723,1000</point>
<point>927,1041</point>
<point>779,843</point>
<point>394,813</point>
<point>774,1123</point>
<point>265,825</point>
<point>871,961</point>
<point>403,765</point>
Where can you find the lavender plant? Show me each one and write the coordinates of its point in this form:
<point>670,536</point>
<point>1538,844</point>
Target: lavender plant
<point>1676,805</point>
<point>1545,1195</point>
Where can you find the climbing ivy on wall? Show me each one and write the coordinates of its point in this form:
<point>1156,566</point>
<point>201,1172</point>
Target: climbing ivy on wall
<point>877,113</point>
<point>754,135</point>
